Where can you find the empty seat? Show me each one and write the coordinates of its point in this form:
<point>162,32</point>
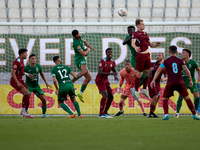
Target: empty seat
<point>183,12</point>
<point>105,13</point>
<point>184,3</point>
<point>79,20</point>
<point>40,20</point>
<point>146,20</point>
<point>121,19</point>
<point>40,13</point>
<point>157,20</point>
<point>53,20</point>
<point>2,4</point>
<point>66,13</point>
<point>145,12</point>
<point>27,13</point>
<point>66,4</point>
<point>132,4</point>
<point>119,3</point>
<point>170,12</point>
<point>66,20</point>
<point>27,20</point>
<point>157,12</point>
<point>92,13</point>
<point>195,12</point>
<point>171,3</point>
<point>52,3</point>
<point>79,3</point>
<point>26,3</point>
<point>3,14</point>
<point>14,20</point>
<point>159,3</point>
<point>13,3</point>
<point>105,4</point>
<point>195,4</point>
<point>182,20</point>
<point>53,13</point>
<point>79,13</point>
<point>92,4</point>
<point>105,20</point>
<point>131,20</point>
<point>195,19</point>
<point>92,19</point>
<point>146,3</point>
<point>132,12</point>
<point>39,4</point>
<point>14,13</point>
<point>170,19</point>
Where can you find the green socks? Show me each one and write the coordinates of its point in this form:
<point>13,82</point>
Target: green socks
<point>196,103</point>
<point>66,108</point>
<point>83,87</point>
<point>44,109</point>
<point>76,105</point>
<point>179,104</point>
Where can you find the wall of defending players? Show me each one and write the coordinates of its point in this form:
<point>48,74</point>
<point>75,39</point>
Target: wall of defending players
<point>11,102</point>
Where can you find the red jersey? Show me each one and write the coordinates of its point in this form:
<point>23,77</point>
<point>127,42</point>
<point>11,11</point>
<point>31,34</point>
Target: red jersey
<point>107,67</point>
<point>142,40</point>
<point>174,69</point>
<point>152,73</point>
<point>18,65</point>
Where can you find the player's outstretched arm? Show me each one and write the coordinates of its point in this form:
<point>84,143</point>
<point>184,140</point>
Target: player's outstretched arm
<point>127,40</point>
<point>137,49</point>
<point>56,85</point>
<point>154,45</point>
<point>156,76</point>
<point>44,78</point>
<point>75,77</point>
<point>187,71</point>
<point>114,71</point>
<point>100,72</point>
<point>198,69</point>
<point>87,45</point>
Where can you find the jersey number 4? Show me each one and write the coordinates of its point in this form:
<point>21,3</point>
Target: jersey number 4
<point>65,73</point>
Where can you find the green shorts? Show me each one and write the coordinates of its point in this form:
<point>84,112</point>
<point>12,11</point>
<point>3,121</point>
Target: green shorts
<point>36,90</point>
<point>62,94</point>
<point>193,89</point>
<point>80,62</point>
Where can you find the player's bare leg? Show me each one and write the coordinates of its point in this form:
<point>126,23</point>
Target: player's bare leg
<point>103,102</point>
<point>196,102</point>
<point>25,103</point>
<point>145,82</point>
<point>134,90</point>
<point>108,104</point>
<point>153,107</point>
<point>44,106</point>
<point>141,104</point>
<point>121,102</point>
<point>66,108</point>
<point>76,105</point>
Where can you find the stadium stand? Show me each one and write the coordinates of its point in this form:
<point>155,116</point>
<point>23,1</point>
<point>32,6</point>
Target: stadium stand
<point>98,10</point>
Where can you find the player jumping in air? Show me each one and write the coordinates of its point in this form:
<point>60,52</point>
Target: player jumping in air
<point>105,66</point>
<point>155,91</point>
<point>128,40</point>
<point>174,66</point>
<point>80,61</point>
<point>129,74</point>
<point>61,73</point>
<point>33,85</point>
<point>141,39</point>
<point>191,65</point>
<point>17,82</point>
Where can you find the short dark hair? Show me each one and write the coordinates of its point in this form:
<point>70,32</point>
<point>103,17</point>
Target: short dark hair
<point>173,49</point>
<point>55,58</point>
<point>74,32</point>
<point>127,61</point>
<point>32,55</point>
<point>130,27</point>
<point>22,50</point>
<point>188,51</point>
<point>137,21</point>
<point>108,49</point>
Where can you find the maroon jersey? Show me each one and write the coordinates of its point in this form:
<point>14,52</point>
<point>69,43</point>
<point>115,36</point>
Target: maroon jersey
<point>142,40</point>
<point>174,69</point>
<point>152,73</point>
<point>107,67</point>
<point>18,65</point>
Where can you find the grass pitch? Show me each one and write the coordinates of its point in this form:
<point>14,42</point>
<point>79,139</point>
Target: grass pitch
<point>93,133</point>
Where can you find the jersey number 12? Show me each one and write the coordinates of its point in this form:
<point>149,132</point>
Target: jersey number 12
<point>65,73</point>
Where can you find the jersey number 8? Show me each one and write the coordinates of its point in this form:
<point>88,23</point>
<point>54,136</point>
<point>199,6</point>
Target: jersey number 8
<point>175,67</point>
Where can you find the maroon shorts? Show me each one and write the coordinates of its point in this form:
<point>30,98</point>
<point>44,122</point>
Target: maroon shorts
<point>155,90</point>
<point>179,87</point>
<point>14,84</point>
<point>143,62</point>
<point>104,86</point>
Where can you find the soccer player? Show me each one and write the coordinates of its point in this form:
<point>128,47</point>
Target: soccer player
<point>80,61</point>
<point>191,65</point>
<point>17,82</point>
<point>32,84</point>
<point>128,40</point>
<point>174,66</point>
<point>61,73</point>
<point>129,74</point>
<point>141,39</point>
<point>105,66</point>
<point>155,91</point>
